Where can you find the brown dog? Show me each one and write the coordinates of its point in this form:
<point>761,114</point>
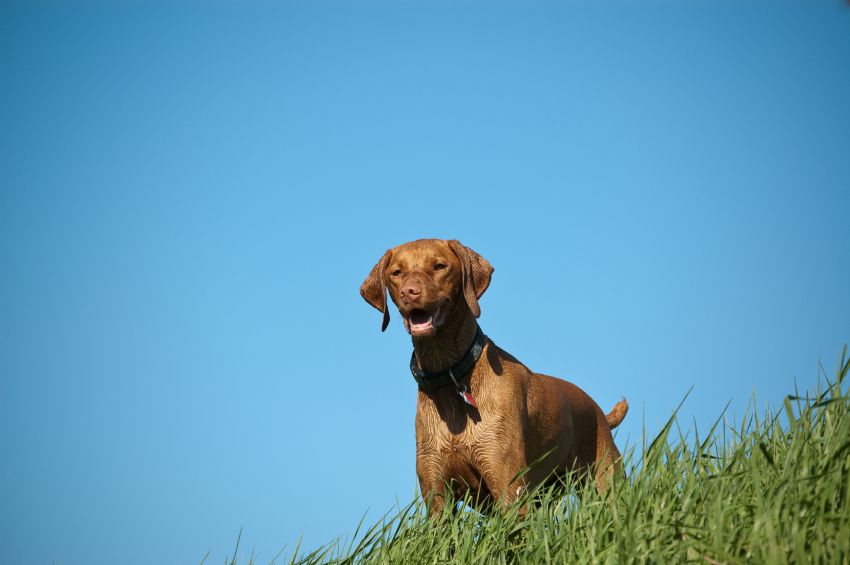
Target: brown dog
<point>482,416</point>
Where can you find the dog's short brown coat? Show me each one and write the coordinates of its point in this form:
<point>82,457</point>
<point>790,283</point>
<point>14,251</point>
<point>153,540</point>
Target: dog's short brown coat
<point>520,415</point>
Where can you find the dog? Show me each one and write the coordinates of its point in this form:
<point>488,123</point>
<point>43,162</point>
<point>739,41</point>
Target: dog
<point>482,417</point>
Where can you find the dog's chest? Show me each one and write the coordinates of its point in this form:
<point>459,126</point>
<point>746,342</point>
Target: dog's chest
<point>451,433</point>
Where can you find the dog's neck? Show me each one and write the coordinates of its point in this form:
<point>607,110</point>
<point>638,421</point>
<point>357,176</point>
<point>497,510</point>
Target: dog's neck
<point>452,340</point>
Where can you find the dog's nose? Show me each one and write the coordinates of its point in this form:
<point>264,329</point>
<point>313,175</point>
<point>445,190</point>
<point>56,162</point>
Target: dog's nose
<point>411,291</point>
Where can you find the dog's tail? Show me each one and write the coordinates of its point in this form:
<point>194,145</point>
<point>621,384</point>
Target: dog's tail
<point>617,413</point>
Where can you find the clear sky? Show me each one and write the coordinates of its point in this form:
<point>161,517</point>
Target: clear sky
<point>192,193</point>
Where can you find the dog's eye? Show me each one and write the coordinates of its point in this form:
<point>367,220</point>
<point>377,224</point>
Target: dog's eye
<point>439,267</point>
<point>397,272</point>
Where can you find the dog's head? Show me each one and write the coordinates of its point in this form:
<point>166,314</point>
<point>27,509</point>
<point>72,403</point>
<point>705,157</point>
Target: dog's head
<point>428,280</point>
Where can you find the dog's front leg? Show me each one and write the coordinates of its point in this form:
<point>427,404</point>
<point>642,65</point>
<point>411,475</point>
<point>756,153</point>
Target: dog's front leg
<point>504,462</point>
<point>504,485</point>
<point>434,487</point>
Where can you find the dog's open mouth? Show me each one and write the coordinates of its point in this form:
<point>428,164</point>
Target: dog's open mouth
<point>420,322</point>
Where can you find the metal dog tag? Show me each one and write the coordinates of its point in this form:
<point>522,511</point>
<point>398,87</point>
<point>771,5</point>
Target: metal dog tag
<point>464,394</point>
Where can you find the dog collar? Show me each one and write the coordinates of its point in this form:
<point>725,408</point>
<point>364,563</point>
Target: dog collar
<point>454,374</point>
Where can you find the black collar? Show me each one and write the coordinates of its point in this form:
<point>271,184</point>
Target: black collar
<point>453,375</point>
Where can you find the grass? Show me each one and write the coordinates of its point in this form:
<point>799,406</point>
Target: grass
<point>772,490</point>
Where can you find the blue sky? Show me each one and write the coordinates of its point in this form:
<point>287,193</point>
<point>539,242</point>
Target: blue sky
<point>192,193</point>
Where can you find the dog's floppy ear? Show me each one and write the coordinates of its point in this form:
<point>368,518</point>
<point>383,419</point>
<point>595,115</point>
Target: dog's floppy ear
<point>476,274</point>
<point>374,290</point>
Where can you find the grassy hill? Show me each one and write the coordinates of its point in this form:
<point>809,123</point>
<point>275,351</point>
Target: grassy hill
<point>774,490</point>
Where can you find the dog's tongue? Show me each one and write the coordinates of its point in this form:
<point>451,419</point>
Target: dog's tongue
<point>418,316</point>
